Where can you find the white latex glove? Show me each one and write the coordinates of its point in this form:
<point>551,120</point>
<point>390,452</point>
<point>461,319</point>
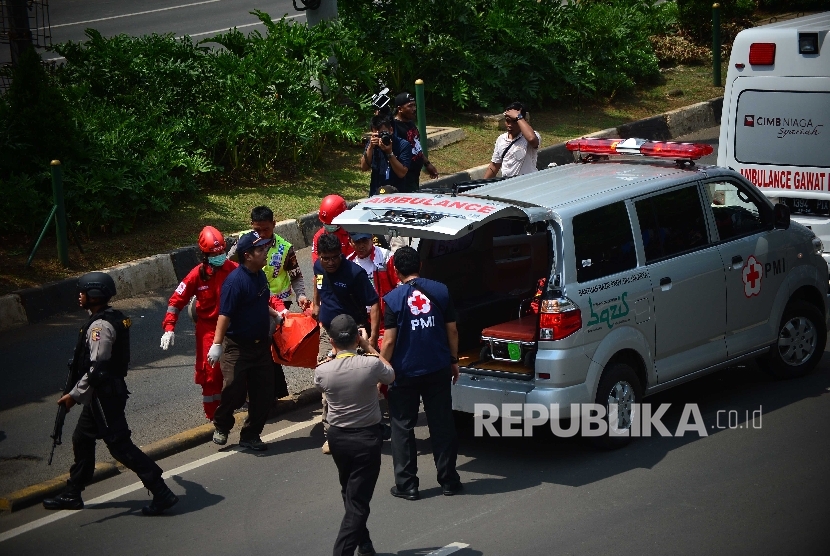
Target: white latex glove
<point>303,302</point>
<point>168,339</point>
<point>214,354</point>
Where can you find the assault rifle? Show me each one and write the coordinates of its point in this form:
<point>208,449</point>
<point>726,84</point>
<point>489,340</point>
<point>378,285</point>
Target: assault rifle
<point>57,432</point>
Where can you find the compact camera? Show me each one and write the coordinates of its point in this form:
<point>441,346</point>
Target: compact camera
<point>385,137</point>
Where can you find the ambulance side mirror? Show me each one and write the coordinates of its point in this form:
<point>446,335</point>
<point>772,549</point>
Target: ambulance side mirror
<point>782,216</point>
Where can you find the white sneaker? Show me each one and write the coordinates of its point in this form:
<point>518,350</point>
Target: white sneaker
<point>220,437</point>
<point>326,448</point>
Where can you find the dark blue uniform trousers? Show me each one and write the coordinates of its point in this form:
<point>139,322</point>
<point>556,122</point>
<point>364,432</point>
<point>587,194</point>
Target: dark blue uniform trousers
<point>404,399</point>
<point>104,418</point>
<point>356,452</point>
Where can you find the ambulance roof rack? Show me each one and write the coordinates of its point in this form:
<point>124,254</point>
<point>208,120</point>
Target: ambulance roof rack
<point>682,153</point>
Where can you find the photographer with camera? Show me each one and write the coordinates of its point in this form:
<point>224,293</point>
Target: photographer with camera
<point>387,156</point>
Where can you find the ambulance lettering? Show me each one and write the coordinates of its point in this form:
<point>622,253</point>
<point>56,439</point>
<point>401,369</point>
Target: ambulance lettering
<point>751,275</point>
<point>424,201</point>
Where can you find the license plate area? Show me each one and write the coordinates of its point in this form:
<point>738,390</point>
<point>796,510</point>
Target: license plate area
<point>807,207</point>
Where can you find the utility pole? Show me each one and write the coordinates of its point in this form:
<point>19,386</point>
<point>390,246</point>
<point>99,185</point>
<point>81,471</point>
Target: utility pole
<point>20,36</point>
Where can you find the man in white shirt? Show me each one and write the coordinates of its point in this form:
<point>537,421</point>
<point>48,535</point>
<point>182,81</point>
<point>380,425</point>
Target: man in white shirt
<point>516,151</point>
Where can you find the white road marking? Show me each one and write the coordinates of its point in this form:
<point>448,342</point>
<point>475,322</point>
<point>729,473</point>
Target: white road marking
<point>217,31</point>
<point>449,549</point>
<point>138,486</point>
<point>132,14</point>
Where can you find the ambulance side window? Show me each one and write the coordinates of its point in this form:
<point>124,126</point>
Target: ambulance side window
<point>736,212</point>
<point>672,223</point>
<point>603,242</point>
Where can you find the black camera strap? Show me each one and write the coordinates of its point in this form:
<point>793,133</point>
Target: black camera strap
<point>513,142</point>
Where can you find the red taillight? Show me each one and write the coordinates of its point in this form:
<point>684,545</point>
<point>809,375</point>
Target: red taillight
<point>762,53</point>
<point>676,150</point>
<point>558,318</point>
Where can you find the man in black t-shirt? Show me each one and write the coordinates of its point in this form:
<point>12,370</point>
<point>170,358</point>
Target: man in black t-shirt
<point>405,129</point>
<point>343,287</point>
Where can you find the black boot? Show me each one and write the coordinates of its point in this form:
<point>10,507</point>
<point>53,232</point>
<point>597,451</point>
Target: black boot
<point>163,498</point>
<point>64,501</point>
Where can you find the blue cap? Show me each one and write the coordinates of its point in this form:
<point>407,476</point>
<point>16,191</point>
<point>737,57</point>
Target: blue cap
<point>251,240</point>
<point>357,236</point>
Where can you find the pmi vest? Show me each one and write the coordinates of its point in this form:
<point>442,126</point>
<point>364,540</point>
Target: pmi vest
<point>278,280</point>
<point>421,345</point>
<point>120,357</point>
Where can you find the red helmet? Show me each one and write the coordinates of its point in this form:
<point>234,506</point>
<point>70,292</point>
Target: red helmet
<point>331,207</point>
<point>211,241</point>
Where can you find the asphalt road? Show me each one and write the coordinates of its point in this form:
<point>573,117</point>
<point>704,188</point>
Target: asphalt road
<point>164,400</point>
<point>196,18</point>
<point>758,488</point>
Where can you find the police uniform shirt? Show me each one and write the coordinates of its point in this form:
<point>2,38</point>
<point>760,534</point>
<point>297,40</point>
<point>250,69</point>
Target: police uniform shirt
<point>349,382</point>
<point>244,301</point>
<point>99,337</point>
<point>347,290</point>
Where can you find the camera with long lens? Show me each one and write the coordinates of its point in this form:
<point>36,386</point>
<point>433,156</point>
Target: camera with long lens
<point>380,101</point>
<point>385,137</point>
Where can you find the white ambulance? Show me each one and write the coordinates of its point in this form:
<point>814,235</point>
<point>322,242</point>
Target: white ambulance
<point>775,128</point>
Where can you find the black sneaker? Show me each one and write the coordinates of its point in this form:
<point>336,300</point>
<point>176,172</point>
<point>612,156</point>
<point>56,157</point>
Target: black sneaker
<point>64,501</point>
<point>163,499</point>
<point>254,444</point>
<point>366,548</point>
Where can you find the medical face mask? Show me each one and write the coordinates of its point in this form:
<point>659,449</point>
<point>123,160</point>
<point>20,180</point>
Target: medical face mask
<point>218,260</point>
<point>331,228</point>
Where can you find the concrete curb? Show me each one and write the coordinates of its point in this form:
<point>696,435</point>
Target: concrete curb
<point>35,304</point>
<point>158,450</point>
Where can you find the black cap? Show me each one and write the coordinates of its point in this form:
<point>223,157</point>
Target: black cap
<point>343,330</point>
<point>403,98</point>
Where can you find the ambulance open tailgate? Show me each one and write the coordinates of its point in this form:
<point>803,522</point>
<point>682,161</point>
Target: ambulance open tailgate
<point>424,215</point>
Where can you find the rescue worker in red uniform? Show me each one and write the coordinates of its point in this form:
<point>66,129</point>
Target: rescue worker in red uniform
<point>205,283</point>
<point>331,206</point>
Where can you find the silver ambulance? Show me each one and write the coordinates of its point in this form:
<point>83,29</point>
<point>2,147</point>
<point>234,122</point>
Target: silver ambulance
<point>657,271</point>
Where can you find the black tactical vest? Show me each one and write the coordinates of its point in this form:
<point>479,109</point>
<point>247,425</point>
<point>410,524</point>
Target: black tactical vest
<point>120,358</point>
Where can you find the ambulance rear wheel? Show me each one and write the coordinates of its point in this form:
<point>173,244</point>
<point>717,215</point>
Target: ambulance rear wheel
<point>619,389</point>
<point>802,335</point>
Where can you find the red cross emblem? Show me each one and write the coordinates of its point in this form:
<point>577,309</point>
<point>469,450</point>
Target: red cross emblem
<point>751,275</point>
<point>418,303</point>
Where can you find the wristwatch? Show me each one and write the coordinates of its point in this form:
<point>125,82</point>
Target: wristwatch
<point>519,117</point>
<point>453,360</point>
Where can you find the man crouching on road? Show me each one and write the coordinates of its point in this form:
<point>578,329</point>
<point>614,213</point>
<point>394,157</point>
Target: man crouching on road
<point>242,344</point>
<point>349,383</point>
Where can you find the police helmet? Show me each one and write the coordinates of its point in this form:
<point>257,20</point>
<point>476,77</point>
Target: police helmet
<point>97,284</point>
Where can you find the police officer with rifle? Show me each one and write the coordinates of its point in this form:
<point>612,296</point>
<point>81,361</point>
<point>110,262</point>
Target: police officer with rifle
<point>96,381</point>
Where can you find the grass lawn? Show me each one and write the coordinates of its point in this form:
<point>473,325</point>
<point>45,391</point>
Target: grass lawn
<point>227,206</point>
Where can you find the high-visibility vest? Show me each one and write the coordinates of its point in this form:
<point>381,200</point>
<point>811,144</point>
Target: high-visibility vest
<point>278,280</point>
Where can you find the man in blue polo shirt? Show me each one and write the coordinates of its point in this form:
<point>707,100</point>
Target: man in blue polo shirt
<point>242,344</point>
<point>343,287</point>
